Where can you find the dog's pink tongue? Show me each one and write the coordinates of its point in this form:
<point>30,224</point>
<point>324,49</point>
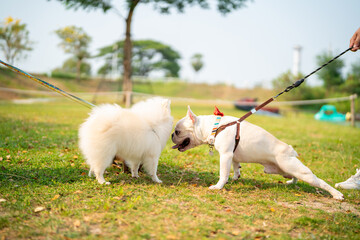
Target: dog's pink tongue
<point>175,146</point>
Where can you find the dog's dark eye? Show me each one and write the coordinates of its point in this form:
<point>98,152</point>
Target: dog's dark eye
<point>177,132</point>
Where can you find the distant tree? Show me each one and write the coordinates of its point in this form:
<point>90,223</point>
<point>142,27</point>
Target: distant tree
<point>105,69</point>
<point>197,62</point>
<point>355,70</point>
<point>352,83</point>
<point>331,75</point>
<point>75,41</point>
<point>163,6</point>
<point>148,56</point>
<point>14,39</point>
<point>70,66</point>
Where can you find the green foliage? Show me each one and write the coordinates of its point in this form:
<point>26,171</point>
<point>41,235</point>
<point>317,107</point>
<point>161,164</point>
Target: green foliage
<point>105,69</point>
<point>331,74</point>
<point>352,83</point>
<point>14,39</point>
<point>57,73</point>
<point>70,66</point>
<point>75,41</point>
<point>303,92</point>
<point>197,62</point>
<point>163,6</point>
<point>334,85</point>
<point>69,69</point>
<point>87,4</point>
<point>148,56</point>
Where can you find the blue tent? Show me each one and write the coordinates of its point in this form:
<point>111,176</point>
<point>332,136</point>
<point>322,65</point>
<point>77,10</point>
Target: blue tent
<point>329,113</point>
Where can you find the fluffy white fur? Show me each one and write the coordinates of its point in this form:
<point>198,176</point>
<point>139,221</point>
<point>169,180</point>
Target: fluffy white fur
<point>256,146</point>
<point>137,135</point>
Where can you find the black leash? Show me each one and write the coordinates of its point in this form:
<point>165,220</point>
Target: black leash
<point>299,82</point>
<point>254,110</point>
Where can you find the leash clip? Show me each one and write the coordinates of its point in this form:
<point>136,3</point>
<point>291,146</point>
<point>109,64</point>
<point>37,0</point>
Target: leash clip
<point>211,149</point>
<point>211,141</point>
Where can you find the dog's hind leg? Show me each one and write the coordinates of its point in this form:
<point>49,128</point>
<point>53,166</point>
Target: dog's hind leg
<point>294,167</point>
<point>150,166</point>
<point>292,181</point>
<point>98,168</point>
<point>99,174</point>
<point>134,166</point>
<point>91,172</point>
<point>236,166</point>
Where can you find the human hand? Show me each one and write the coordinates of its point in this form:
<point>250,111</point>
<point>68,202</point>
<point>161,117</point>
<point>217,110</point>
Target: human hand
<point>355,41</point>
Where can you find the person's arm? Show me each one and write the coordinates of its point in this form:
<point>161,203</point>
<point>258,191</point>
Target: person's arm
<point>355,41</point>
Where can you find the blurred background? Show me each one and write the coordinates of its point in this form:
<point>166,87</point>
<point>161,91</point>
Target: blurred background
<point>237,52</point>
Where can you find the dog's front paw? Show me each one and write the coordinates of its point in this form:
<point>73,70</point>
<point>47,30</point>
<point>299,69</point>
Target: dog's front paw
<point>213,187</point>
<point>235,177</point>
<point>339,196</point>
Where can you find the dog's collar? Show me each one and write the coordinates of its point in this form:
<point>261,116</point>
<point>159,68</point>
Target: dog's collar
<point>211,138</point>
<point>217,129</point>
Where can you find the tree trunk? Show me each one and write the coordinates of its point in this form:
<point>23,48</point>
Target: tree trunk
<point>127,83</point>
<point>78,69</point>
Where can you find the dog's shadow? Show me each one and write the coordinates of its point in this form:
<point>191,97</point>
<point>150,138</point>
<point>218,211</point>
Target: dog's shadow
<point>41,176</point>
<point>174,176</point>
<point>171,175</point>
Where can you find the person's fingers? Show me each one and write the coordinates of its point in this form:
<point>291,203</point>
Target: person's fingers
<point>356,45</point>
<point>355,41</point>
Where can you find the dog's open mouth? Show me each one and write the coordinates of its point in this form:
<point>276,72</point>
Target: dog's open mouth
<point>183,145</point>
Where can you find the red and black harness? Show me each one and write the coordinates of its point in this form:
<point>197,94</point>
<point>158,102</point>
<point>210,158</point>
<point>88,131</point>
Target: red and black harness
<point>237,122</point>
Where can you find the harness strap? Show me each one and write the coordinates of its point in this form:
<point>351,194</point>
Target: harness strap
<point>237,136</point>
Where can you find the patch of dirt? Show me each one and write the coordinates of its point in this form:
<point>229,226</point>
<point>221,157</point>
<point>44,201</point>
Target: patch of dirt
<point>327,205</point>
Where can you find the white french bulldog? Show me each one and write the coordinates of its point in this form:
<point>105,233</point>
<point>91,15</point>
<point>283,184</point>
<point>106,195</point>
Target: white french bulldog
<point>256,146</point>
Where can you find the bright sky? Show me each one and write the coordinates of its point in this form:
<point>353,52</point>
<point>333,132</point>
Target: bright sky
<point>247,47</point>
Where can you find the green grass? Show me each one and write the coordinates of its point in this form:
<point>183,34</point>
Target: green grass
<point>41,166</point>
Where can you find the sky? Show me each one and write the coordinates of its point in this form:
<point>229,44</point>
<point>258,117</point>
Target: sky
<point>246,48</point>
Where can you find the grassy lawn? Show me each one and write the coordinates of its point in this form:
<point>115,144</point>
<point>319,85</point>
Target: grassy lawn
<point>46,193</point>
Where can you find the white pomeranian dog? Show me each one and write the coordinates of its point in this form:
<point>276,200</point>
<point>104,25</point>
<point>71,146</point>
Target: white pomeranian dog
<point>138,135</point>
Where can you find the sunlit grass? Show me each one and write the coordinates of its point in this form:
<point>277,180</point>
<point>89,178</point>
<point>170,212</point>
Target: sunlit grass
<point>41,166</point>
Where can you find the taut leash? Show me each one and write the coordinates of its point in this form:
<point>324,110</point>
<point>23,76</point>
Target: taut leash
<point>254,110</point>
<point>50,86</point>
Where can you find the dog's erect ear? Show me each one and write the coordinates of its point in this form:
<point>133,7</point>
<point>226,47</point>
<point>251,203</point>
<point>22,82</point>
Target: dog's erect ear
<point>191,115</point>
